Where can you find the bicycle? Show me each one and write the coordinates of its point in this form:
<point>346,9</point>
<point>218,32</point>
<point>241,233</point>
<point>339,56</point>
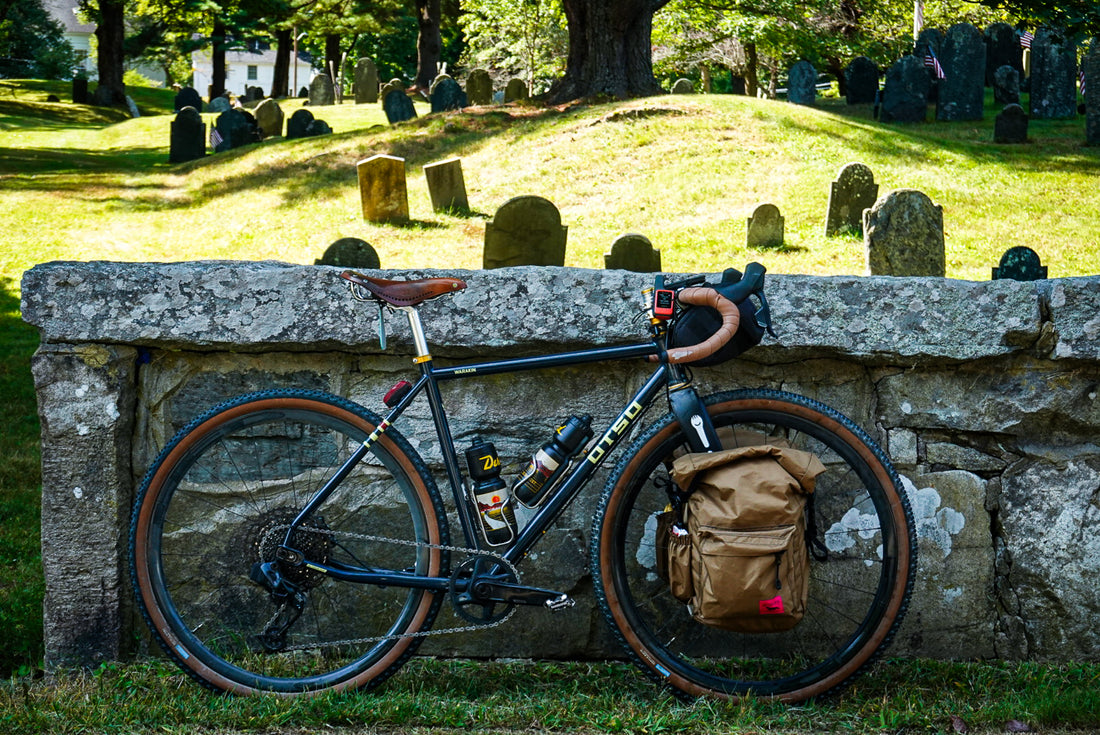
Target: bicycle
<point>293,541</point>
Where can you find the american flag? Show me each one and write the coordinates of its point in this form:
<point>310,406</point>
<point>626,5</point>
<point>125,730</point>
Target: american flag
<point>1081,76</point>
<point>215,138</point>
<point>933,63</point>
<point>1026,39</point>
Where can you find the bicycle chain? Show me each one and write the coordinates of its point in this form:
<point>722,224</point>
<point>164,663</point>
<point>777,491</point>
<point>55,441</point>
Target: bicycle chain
<point>400,542</point>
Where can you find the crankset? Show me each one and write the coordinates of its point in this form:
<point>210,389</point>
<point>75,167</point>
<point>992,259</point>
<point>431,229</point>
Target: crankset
<point>485,582</point>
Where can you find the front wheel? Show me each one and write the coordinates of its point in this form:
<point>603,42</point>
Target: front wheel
<point>857,594</point>
<point>215,508</point>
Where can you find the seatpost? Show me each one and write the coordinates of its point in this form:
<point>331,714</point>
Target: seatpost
<point>421,343</point>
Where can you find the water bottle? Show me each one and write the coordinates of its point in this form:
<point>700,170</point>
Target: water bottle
<point>490,494</point>
<point>551,460</point>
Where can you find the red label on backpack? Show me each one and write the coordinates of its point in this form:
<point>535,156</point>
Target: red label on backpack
<point>773,606</point>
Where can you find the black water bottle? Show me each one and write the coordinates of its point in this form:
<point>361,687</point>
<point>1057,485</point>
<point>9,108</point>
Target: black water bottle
<point>489,494</point>
<point>551,460</point>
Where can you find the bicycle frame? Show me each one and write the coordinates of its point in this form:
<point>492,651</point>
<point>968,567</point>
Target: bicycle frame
<point>589,461</point>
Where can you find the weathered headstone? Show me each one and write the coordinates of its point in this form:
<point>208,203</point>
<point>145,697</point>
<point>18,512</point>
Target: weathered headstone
<point>853,191</point>
<point>1053,84</point>
<point>1020,263</point>
<point>80,90</point>
<point>321,91</point>
<point>633,252</point>
<point>1002,48</point>
<point>383,190</point>
<point>219,105</point>
<point>479,87</point>
<point>188,136</point>
<point>765,228</point>
<point>252,94</point>
<point>1010,125</point>
<point>52,98</point>
<point>862,77</point>
<point>903,235</point>
<point>526,230</point>
<point>398,106</point>
<point>683,86</point>
<point>298,124</point>
<point>350,252</point>
<point>515,91</point>
<point>447,94</point>
<point>446,185</point>
<point>236,128</point>
<point>388,87</point>
<point>318,127</point>
<point>802,84</point>
<point>962,90</point>
<point>366,81</point>
<point>1006,86</point>
<point>188,97</point>
<point>1091,66</point>
<point>269,118</point>
<point>905,94</point>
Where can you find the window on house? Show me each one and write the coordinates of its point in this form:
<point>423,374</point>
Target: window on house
<point>253,72</point>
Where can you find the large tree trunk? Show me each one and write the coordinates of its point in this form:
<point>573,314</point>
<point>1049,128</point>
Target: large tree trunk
<point>217,60</point>
<point>610,49</point>
<point>429,42</point>
<point>752,70</point>
<point>333,61</point>
<point>110,33</point>
<point>280,81</point>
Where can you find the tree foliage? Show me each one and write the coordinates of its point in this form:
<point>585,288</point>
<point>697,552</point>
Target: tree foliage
<point>526,39</point>
<point>32,43</point>
<point>1079,17</point>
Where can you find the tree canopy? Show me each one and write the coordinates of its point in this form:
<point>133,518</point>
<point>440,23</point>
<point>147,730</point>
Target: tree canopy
<point>32,43</point>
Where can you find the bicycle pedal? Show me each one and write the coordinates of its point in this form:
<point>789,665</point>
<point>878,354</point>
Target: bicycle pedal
<point>560,603</point>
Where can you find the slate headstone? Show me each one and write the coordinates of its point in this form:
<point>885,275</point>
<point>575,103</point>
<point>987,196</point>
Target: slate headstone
<point>526,230</point>
<point>515,91</point>
<point>350,252</point>
<point>853,191</point>
<point>765,227</point>
<point>633,252</point>
<point>862,78</point>
<point>188,136</point>
<point>1006,86</point>
<point>253,94</point>
<point>52,98</point>
<point>236,129</point>
<point>962,90</point>
<point>1020,263</point>
<point>219,105</point>
<point>80,90</point>
<point>1010,125</point>
<point>269,118</point>
<point>188,97</point>
<point>446,94</point>
<point>446,186</point>
<point>905,94</point>
<point>802,84</point>
<point>398,106</point>
<point>321,91</point>
<point>1091,66</point>
<point>479,87</point>
<point>382,189</point>
<point>683,86</point>
<point>318,127</point>
<point>390,86</point>
<point>366,81</point>
<point>298,124</point>
<point>1002,48</point>
<point>1053,83</point>
<point>903,235</point>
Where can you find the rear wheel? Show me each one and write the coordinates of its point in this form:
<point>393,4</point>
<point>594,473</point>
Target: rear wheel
<point>858,593</point>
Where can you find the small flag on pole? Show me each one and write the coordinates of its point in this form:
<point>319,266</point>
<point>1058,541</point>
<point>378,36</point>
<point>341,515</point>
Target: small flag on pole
<point>1081,76</point>
<point>933,63</point>
<point>215,138</point>
<point>1026,39</point>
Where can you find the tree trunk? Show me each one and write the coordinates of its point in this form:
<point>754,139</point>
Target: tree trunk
<point>429,42</point>
<point>280,81</point>
<point>110,33</point>
<point>610,51</point>
<point>752,70</point>
<point>217,60</point>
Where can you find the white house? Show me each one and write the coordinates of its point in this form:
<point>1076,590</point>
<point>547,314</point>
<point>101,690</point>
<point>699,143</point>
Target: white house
<point>248,69</point>
<point>77,32</point>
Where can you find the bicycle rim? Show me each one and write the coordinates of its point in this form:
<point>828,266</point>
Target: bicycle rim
<point>220,499</point>
<point>858,594</point>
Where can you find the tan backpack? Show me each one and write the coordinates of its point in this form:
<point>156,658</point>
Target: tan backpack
<point>739,558</point>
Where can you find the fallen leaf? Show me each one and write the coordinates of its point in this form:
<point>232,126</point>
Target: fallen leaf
<point>1017,726</point>
<point>958,725</point>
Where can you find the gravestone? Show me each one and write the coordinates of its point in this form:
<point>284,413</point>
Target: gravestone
<point>253,94</point>
<point>388,87</point>
<point>446,94</point>
<point>132,107</point>
<point>862,77</point>
<point>236,129</point>
<point>366,81</point>
<point>853,191</point>
<point>930,39</point>
<point>188,136</point>
<point>318,127</point>
<point>446,186</point>
<point>802,84</point>
<point>80,90</point>
<point>683,86</point>
<point>526,230</point>
<point>765,227</point>
<point>52,98</point>
<point>350,252</point>
<point>479,87</point>
<point>188,97</point>
<point>382,189</point>
<point>398,106</point>
<point>219,105</point>
<point>903,235</point>
<point>632,252</point>
<point>1002,48</point>
<point>1020,263</point>
<point>962,90</point>
<point>1006,86</point>
<point>298,124</point>
<point>1091,66</point>
<point>1010,125</point>
<point>1053,83</point>
<point>269,118</point>
<point>515,91</point>
<point>905,94</point>
<point>321,91</point>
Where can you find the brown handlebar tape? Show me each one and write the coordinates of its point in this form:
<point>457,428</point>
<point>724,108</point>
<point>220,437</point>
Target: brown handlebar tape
<point>731,319</point>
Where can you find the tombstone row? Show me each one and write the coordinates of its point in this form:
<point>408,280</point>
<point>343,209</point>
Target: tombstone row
<point>236,127</point>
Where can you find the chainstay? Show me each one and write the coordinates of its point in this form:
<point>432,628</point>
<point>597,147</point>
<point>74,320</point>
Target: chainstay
<point>400,542</point>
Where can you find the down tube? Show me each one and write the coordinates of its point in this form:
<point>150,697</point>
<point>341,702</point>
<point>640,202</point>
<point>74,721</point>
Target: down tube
<point>578,478</point>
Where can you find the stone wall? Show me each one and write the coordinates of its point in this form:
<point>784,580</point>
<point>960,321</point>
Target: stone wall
<point>985,395</point>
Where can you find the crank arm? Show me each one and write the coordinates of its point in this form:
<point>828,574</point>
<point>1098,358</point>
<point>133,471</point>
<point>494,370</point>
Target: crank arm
<point>518,594</point>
